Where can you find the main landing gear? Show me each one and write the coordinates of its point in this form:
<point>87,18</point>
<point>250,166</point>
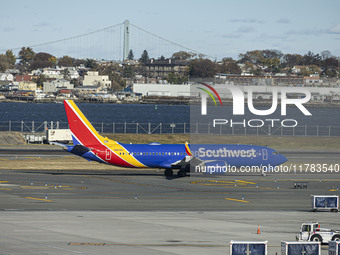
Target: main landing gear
<point>169,172</point>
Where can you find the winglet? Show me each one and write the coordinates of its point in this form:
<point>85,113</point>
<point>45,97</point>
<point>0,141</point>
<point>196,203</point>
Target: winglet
<point>187,149</point>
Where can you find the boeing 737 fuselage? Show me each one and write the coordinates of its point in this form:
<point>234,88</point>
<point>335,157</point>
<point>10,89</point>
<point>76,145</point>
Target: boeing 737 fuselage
<point>88,144</point>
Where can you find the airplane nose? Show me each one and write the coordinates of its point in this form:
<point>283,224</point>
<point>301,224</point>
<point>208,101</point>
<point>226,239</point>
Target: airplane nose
<point>283,159</point>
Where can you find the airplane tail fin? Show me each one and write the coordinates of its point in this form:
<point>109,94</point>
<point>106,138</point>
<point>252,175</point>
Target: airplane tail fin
<point>82,130</point>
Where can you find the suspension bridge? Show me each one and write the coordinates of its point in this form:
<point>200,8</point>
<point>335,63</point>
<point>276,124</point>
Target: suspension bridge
<point>111,43</point>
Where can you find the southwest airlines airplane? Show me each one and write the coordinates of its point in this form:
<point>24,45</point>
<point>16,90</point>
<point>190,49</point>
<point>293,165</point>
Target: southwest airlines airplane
<point>87,143</point>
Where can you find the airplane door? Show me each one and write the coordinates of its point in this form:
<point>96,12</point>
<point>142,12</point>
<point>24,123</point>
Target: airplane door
<point>108,154</point>
<point>264,154</point>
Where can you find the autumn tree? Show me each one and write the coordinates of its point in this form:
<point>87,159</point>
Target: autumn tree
<point>202,68</point>
<point>7,60</point>
<point>230,66</point>
<point>65,61</point>
<point>10,57</point>
<point>330,66</point>
<point>291,60</point>
<point>43,60</point>
<point>182,55</point>
<point>26,56</point>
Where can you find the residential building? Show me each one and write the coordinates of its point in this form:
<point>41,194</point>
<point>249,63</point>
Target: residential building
<point>6,77</point>
<point>84,90</point>
<point>94,79</point>
<point>161,68</point>
<point>27,85</point>
<point>24,77</point>
<point>55,85</point>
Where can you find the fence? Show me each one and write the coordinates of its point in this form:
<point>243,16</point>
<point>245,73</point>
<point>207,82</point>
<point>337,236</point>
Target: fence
<point>175,128</point>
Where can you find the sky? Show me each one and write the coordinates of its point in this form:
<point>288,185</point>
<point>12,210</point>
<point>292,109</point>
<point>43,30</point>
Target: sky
<point>218,28</point>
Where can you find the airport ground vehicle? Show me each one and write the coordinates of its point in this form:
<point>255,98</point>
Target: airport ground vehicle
<point>311,231</point>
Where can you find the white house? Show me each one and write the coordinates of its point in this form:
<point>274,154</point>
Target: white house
<point>54,86</point>
<point>6,77</point>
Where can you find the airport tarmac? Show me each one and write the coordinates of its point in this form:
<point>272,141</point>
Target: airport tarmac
<point>140,211</point>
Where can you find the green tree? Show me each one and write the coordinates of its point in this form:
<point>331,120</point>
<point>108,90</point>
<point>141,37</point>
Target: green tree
<point>26,56</point>
<point>128,71</point>
<point>3,63</point>
<point>144,57</point>
<point>176,78</point>
<point>91,63</point>
<point>130,56</point>
<point>40,80</point>
<point>10,57</point>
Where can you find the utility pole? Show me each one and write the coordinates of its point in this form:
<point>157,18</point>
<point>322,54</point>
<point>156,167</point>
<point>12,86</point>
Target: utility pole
<point>126,39</point>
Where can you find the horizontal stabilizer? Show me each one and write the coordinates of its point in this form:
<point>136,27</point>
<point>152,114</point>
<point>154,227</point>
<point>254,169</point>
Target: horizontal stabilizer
<point>79,150</point>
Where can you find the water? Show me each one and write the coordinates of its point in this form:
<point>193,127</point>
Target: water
<point>131,113</point>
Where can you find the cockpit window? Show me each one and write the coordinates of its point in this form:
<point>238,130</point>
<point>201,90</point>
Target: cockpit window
<point>275,153</point>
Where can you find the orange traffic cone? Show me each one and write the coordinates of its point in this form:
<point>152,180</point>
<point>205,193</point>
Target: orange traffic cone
<point>258,229</point>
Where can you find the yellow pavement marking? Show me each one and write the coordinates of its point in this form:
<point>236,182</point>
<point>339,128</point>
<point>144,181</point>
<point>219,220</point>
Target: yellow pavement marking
<point>219,183</point>
<point>4,159</point>
<point>3,181</point>
<point>232,199</point>
<point>4,189</point>
<point>40,199</point>
<point>333,190</point>
<point>32,157</point>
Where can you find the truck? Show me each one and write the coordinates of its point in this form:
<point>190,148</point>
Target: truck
<point>325,202</point>
<point>334,248</point>
<point>312,232</point>
<point>58,135</point>
<point>298,248</point>
<point>248,247</point>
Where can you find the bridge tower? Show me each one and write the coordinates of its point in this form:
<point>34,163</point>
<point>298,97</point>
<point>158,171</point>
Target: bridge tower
<point>126,39</point>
